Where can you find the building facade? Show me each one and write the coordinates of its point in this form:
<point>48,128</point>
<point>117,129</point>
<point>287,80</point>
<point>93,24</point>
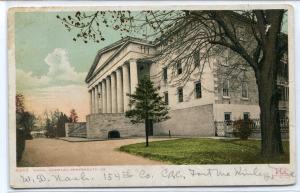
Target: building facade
<point>195,106</point>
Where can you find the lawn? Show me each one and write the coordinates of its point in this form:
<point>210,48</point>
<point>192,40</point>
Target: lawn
<point>205,151</point>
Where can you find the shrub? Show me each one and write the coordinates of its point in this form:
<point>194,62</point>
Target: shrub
<point>243,128</point>
<point>20,138</point>
<point>20,143</point>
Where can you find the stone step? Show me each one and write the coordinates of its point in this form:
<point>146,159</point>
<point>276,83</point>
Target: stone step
<point>81,136</point>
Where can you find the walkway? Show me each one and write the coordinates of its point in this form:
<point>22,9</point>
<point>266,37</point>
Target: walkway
<point>44,152</point>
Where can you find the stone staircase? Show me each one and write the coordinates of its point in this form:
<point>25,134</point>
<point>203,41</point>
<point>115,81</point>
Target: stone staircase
<point>77,130</point>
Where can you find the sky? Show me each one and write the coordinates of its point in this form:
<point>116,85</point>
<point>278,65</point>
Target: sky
<point>50,66</point>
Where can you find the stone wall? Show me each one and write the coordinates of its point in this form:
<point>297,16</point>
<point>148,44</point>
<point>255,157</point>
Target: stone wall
<point>235,87</point>
<point>236,110</point>
<point>194,121</point>
<point>98,126</point>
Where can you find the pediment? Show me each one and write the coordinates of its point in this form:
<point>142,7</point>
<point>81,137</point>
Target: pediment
<point>108,53</point>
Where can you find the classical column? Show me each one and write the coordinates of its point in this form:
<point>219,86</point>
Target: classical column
<point>93,100</point>
<point>96,99</point>
<point>126,86</point>
<point>91,106</point>
<point>108,95</point>
<point>133,75</point>
<point>113,93</point>
<point>104,109</point>
<point>99,98</point>
<point>119,91</point>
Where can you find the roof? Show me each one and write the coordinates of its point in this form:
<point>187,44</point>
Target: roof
<point>118,44</point>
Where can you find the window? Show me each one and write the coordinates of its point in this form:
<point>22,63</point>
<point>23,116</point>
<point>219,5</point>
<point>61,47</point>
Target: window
<point>161,47</point>
<point>283,92</point>
<point>283,114</point>
<point>246,115</point>
<point>227,118</point>
<point>198,92</point>
<point>244,90</point>
<point>196,57</point>
<point>178,36</point>
<point>179,67</point>
<point>180,94</point>
<point>192,25</point>
<point>241,33</point>
<point>165,73</point>
<point>166,97</point>
<point>226,88</point>
<point>225,61</point>
<point>143,49</point>
<point>283,72</point>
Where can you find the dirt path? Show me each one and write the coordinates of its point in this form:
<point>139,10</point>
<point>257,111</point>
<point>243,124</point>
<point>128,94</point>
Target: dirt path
<point>43,152</point>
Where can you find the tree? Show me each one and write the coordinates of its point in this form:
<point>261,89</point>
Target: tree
<point>73,116</point>
<point>20,134</point>
<point>20,107</point>
<point>25,121</point>
<point>60,125</point>
<point>55,124</point>
<point>28,121</point>
<point>262,48</point>
<point>146,106</point>
<point>49,128</point>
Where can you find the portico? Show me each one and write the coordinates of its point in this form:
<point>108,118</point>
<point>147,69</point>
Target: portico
<point>109,94</point>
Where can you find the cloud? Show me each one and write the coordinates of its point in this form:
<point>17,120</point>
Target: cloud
<point>62,87</point>
<point>60,67</point>
<point>25,80</point>
<point>60,72</point>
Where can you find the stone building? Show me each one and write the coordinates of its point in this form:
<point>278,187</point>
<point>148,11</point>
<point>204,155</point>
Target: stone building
<point>208,96</point>
<point>194,106</point>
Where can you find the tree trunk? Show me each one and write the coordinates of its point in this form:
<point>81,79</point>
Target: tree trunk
<point>147,133</point>
<point>266,78</point>
<point>271,143</point>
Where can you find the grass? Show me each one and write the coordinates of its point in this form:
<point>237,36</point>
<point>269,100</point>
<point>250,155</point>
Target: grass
<point>205,151</point>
